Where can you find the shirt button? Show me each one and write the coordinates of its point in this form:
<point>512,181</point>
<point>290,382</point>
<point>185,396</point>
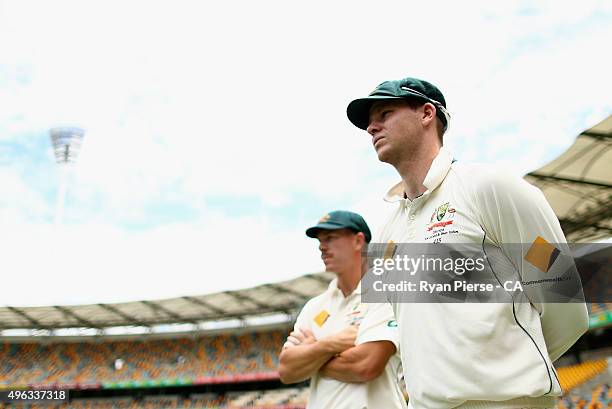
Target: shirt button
<point>412,216</point>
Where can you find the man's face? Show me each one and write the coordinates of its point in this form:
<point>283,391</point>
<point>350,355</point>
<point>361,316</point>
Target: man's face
<point>337,248</point>
<point>395,128</point>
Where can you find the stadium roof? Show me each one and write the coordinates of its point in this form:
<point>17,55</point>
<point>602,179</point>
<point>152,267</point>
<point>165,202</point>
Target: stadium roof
<point>578,184</point>
<point>284,297</point>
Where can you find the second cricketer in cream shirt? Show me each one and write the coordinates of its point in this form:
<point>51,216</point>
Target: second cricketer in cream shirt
<point>328,314</point>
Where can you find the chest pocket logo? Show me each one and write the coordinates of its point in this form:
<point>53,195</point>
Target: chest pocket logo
<point>321,318</point>
<point>441,223</point>
<point>442,216</point>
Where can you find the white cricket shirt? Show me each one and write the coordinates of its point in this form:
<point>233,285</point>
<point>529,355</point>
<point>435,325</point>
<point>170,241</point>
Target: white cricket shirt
<point>328,314</point>
<point>461,355</point>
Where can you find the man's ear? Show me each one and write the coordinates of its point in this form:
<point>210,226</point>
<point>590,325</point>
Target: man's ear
<point>360,240</point>
<point>429,114</point>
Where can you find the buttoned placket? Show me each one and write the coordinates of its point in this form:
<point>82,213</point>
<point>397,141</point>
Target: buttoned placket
<point>410,210</point>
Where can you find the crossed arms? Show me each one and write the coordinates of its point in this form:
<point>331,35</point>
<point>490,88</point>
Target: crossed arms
<point>335,356</point>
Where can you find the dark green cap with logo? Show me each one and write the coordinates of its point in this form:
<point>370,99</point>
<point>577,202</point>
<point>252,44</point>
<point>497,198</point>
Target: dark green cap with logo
<point>341,219</point>
<point>358,111</point>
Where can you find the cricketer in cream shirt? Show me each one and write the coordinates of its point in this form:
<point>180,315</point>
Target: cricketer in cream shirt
<point>493,355</point>
<point>331,312</point>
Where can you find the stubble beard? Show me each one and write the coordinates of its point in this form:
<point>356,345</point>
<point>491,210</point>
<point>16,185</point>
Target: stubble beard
<point>397,156</point>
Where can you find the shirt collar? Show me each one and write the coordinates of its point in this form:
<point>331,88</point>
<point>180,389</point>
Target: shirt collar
<point>333,286</point>
<point>436,174</point>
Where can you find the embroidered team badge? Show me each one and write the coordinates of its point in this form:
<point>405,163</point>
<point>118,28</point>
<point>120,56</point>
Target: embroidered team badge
<point>442,216</point>
<point>324,218</point>
<point>441,211</point>
<point>440,223</point>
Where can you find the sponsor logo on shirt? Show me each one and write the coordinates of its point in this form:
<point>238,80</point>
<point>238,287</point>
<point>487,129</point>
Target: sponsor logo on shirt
<point>392,324</point>
<point>355,316</point>
<point>321,317</point>
<point>390,249</point>
<point>542,254</point>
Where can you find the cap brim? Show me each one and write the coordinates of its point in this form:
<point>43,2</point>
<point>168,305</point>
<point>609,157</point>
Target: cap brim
<point>313,231</point>
<point>358,111</point>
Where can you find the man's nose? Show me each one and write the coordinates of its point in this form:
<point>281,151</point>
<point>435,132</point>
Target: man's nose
<point>373,127</point>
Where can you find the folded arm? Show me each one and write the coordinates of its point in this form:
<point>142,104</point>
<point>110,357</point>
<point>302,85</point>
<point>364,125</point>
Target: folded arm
<point>361,363</point>
<point>303,355</point>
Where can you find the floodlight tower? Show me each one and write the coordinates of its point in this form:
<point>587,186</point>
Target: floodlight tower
<point>66,145</point>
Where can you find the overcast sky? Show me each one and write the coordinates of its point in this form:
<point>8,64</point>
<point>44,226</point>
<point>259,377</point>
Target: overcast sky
<point>216,131</point>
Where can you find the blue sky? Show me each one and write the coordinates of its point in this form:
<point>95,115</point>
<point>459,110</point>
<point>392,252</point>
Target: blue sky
<point>217,132</point>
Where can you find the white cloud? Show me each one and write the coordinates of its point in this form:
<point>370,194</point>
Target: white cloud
<point>93,263</point>
<point>20,203</point>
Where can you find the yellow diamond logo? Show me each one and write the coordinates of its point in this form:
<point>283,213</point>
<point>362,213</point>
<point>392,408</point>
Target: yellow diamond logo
<point>321,318</point>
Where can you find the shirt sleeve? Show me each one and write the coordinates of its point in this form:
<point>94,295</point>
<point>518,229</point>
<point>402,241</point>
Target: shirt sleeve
<point>378,324</point>
<point>517,217</point>
<point>303,320</point>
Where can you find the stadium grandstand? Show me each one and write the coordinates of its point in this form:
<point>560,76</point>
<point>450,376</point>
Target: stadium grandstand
<point>221,350</point>
<point>216,350</point>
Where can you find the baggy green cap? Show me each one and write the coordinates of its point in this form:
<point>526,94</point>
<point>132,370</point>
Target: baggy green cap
<point>341,219</point>
<point>358,111</point>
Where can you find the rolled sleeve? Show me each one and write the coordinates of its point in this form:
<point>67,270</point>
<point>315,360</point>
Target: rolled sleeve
<point>378,325</point>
